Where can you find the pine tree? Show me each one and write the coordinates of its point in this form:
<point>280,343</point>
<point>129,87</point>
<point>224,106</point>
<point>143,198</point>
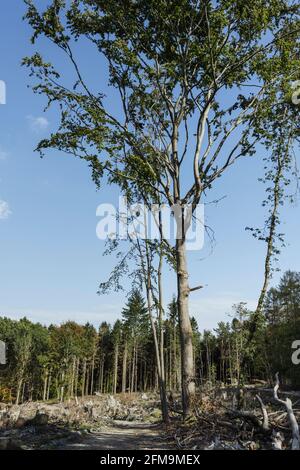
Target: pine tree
<point>137,325</point>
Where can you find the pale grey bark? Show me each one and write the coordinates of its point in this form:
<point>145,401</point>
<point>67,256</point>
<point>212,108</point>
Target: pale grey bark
<point>291,416</point>
<point>124,368</point>
<point>186,332</point>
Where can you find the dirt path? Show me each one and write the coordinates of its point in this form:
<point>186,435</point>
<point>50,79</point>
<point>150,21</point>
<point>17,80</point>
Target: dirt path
<point>124,436</point>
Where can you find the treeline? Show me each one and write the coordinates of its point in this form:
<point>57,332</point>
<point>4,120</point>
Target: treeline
<point>73,360</point>
<point>59,362</point>
<point>227,355</point>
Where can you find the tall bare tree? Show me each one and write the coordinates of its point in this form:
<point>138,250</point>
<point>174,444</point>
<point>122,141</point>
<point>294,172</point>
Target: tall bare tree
<point>192,77</point>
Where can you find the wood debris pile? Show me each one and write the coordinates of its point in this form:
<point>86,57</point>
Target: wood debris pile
<point>246,420</point>
<point>38,425</point>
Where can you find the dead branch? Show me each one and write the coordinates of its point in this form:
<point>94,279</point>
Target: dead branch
<point>277,440</point>
<point>248,416</point>
<point>265,423</point>
<point>192,289</point>
<point>292,419</point>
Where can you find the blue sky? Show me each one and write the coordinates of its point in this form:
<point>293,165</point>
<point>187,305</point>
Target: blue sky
<point>50,258</point>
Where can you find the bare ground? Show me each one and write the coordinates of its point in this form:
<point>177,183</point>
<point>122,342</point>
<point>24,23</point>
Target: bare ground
<point>124,436</point>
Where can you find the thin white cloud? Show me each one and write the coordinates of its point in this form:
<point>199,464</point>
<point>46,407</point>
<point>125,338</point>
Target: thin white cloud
<point>38,124</point>
<point>5,211</point>
<point>3,154</point>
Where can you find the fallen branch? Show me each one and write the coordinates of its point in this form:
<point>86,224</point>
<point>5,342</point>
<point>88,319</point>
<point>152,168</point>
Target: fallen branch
<point>248,416</point>
<point>265,424</point>
<point>277,440</point>
<point>292,419</point>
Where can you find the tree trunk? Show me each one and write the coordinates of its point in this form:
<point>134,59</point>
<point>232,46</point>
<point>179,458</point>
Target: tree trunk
<point>45,385</point>
<point>102,373</point>
<point>92,374</point>
<point>83,378</point>
<point>87,380</point>
<point>115,379</point>
<point>124,368</point>
<point>133,369</point>
<point>49,385</point>
<point>162,385</point>
<point>23,392</point>
<point>186,332</point>
<point>73,376</point>
<point>19,389</point>
<point>159,377</point>
<point>62,388</point>
<point>136,370</point>
<point>161,315</point>
<point>76,377</point>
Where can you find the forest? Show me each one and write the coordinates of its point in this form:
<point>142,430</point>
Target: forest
<point>62,362</point>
